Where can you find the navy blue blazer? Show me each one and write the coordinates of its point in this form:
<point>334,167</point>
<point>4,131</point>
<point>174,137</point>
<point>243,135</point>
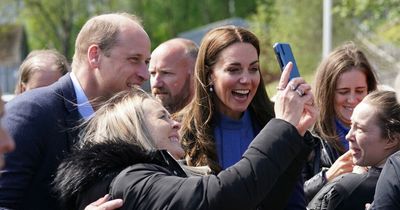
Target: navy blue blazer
<point>43,123</point>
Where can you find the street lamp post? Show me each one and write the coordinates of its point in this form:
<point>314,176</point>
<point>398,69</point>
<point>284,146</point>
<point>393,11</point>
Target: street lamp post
<point>327,28</point>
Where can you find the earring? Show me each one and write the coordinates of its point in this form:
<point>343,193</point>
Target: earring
<point>211,88</point>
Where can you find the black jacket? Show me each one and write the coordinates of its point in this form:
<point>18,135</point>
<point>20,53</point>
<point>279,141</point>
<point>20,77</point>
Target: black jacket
<point>320,160</point>
<point>387,194</point>
<point>155,181</point>
<point>348,191</point>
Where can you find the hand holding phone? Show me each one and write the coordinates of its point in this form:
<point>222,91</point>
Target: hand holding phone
<point>284,55</point>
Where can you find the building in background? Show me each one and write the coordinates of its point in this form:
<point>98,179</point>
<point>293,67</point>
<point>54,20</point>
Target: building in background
<point>197,34</point>
<point>13,50</point>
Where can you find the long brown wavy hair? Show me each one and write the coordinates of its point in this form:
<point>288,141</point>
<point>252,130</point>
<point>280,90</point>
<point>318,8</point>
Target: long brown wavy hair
<point>342,59</point>
<point>198,117</point>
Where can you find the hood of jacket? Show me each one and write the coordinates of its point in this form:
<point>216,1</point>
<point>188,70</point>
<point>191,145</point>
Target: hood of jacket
<point>94,164</point>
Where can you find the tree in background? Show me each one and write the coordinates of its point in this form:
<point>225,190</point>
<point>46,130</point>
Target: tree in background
<point>296,22</point>
<point>300,24</point>
<point>260,23</point>
<point>52,23</point>
<point>55,23</point>
<point>378,16</point>
<point>164,19</point>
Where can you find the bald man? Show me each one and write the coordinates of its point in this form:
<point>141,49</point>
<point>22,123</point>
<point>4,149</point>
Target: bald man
<point>171,73</point>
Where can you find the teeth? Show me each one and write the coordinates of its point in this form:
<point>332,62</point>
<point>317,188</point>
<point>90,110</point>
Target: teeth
<point>174,139</point>
<point>242,91</point>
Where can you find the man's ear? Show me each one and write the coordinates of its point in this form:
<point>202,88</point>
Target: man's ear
<point>93,55</point>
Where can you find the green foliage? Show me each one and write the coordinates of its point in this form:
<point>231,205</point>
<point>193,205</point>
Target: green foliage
<point>53,23</point>
<point>379,16</point>
<point>298,24</point>
<point>271,87</point>
<point>260,25</point>
<point>164,19</point>
<point>371,13</point>
<point>390,32</point>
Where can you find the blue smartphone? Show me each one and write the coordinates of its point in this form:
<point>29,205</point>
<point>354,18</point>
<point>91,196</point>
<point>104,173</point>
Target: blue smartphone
<point>284,54</point>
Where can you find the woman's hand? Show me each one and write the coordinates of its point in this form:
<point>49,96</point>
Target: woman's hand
<point>344,164</point>
<point>295,102</point>
<point>104,204</point>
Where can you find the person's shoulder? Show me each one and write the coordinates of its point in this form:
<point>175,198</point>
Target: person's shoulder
<point>145,168</point>
<point>42,104</point>
<point>349,177</point>
<point>137,174</point>
<point>32,101</point>
<point>35,100</point>
<point>333,193</point>
<point>42,96</point>
<point>347,182</point>
<point>395,157</point>
<point>394,162</point>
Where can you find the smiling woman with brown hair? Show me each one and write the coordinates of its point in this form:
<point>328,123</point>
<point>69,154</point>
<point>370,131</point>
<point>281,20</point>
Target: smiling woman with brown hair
<point>231,106</point>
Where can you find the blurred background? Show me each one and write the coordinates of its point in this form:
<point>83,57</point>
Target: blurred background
<point>312,27</point>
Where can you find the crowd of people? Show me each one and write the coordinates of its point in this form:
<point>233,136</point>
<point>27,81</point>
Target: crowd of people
<point>207,136</point>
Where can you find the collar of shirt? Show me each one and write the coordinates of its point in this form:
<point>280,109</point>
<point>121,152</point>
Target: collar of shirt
<point>84,106</point>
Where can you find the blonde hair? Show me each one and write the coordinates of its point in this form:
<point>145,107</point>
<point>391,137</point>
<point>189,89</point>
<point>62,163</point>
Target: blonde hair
<point>121,118</point>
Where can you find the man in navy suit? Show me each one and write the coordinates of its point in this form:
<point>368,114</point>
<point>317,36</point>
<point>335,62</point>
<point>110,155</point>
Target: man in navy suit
<point>112,52</point>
